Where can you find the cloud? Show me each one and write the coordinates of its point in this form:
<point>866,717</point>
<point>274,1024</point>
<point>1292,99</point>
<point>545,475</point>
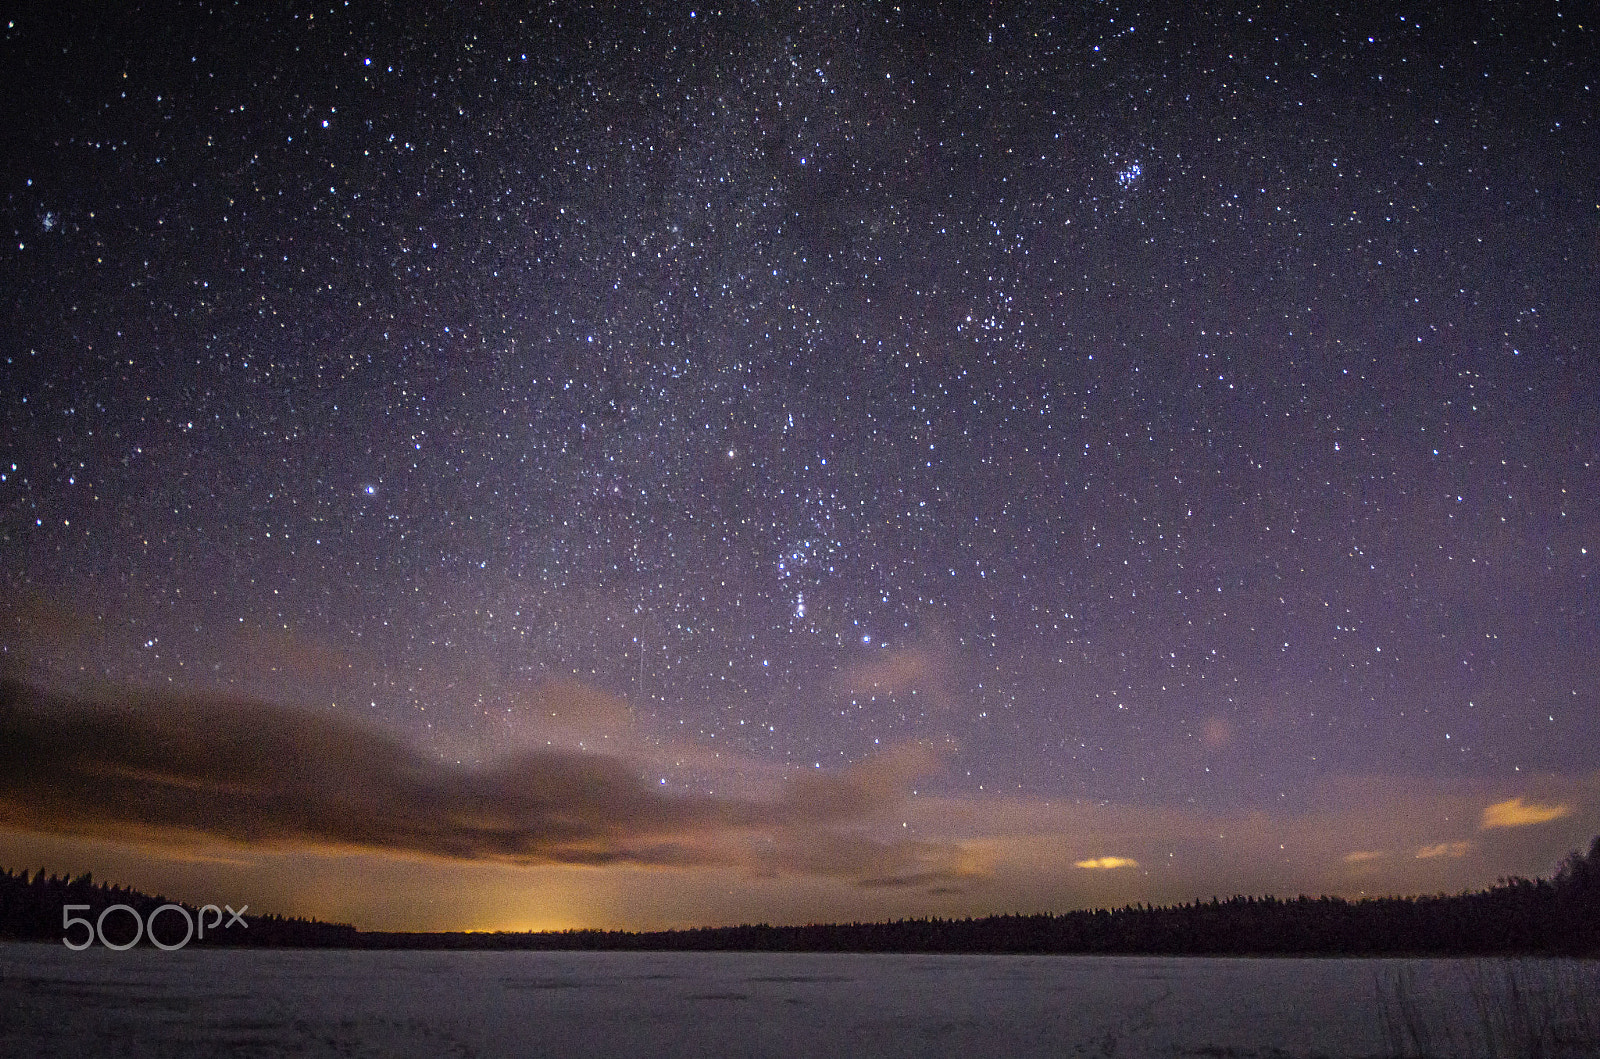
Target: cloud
<point>174,770</point>
<point>1451,850</point>
<point>1217,733</point>
<point>280,650</point>
<point>858,790</point>
<point>1106,863</point>
<point>1363,856</point>
<point>873,863</point>
<point>893,672</point>
<point>39,619</point>
<point>567,713</point>
<point>1514,812</point>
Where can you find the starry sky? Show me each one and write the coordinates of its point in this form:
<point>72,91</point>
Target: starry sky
<point>782,462</point>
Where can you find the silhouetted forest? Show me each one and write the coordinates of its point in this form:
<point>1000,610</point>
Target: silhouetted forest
<point>1556,916</point>
<point>31,909</point>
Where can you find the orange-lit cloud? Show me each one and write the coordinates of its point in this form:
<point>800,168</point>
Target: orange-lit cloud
<point>1444,849</point>
<point>280,650</point>
<point>892,672</point>
<point>1217,733</point>
<point>858,790</point>
<point>1364,856</point>
<point>567,713</point>
<point>167,769</point>
<point>33,617</point>
<point>550,830</point>
<point>1514,812</point>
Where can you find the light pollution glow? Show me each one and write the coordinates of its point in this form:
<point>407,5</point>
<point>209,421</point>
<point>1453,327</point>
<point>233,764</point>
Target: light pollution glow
<point>776,845</point>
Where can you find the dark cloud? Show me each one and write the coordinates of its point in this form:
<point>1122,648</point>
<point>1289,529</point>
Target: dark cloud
<point>168,769</point>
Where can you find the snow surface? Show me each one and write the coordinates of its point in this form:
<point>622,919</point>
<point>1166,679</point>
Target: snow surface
<point>55,1002</point>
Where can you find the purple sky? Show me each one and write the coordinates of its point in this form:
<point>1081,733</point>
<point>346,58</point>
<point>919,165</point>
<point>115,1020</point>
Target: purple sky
<point>1071,431</point>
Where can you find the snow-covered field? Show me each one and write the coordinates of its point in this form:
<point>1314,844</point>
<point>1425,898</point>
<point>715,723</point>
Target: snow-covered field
<point>54,1002</point>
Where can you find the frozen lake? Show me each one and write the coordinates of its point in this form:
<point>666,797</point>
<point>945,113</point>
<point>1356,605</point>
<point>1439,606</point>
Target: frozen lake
<point>54,1002</point>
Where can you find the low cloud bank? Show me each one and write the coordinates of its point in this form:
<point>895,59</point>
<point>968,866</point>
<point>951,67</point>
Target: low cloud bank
<point>167,769</point>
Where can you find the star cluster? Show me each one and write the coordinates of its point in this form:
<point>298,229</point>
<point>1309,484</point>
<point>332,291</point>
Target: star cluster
<point>1165,405</point>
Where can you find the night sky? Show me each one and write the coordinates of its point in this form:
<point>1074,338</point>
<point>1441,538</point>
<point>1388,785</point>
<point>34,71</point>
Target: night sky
<point>798,461</point>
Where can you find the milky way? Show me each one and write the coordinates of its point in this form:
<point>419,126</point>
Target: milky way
<point>1157,406</point>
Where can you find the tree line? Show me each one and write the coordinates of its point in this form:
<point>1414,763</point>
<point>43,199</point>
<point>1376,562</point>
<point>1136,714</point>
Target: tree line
<point>1555,916</point>
<point>34,909</point>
